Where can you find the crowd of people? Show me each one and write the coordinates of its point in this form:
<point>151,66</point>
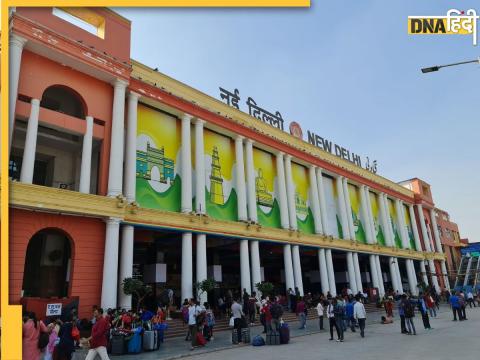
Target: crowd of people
<point>57,338</point>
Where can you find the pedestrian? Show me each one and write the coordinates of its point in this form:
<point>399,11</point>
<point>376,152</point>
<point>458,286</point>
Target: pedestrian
<point>454,303</point>
<point>193,311</point>
<point>401,313</point>
<point>350,320</point>
<point>210,322</point>
<point>238,316</point>
<point>301,313</point>
<point>430,305</point>
<point>99,338</point>
<point>331,318</point>
<point>290,299</point>
<point>360,315</point>
<point>422,307</point>
<point>53,329</point>
<point>265,316</point>
<point>339,311</point>
<point>32,329</point>
<point>276,311</point>
<point>463,306</point>
<point>252,309</point>
<point>409,312</point>
<point>470,299</point>
<point>389,306</point>
<point>320,310</point>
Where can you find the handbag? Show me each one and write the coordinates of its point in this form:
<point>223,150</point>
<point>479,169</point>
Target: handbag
<point>231,322</point>
<point>75,333</point>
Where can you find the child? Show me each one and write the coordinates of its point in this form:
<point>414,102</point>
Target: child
<point>209,322</point>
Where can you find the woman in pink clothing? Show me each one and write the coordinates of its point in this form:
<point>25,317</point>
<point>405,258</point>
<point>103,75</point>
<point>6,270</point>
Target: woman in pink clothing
<point>31,333</point>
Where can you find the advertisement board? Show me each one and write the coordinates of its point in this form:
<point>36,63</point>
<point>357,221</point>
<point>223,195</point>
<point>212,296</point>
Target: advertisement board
<point>358,221</point>
<point>305,222</point>
<point>378,230</point>
<point>393,217</point>
<point>333,218</point>
<point>408,224</point>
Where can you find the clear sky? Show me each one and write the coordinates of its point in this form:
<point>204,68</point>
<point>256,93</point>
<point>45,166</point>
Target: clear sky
<point>348,71</point>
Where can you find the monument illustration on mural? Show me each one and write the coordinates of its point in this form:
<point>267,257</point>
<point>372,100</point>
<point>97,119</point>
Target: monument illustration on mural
<point>264,198</point>
<point>216,180</point>
<point>147,160</point>
<point>301,205</point>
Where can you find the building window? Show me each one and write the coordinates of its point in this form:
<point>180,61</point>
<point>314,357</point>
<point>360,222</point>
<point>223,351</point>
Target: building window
<point>47,265</point>
<point>65,100</point>
<point>40,170</point>
<point>83,18</point>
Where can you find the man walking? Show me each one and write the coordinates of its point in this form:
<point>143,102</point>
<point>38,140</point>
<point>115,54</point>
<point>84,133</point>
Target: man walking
<point>360,315</point>
<point>302,318</point>
<point>193,311</point>
<point>424,312</point>
<point>409,312</point>
<point>237,314</point>
<point>455,306</point>
<point>98,340</point>
<point>331,318</point>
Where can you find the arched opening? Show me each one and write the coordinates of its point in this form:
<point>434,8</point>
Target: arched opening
<point>65,100</point>
<point>47,265</point>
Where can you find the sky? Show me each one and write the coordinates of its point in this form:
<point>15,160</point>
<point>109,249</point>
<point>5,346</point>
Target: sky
<point>346,70</point>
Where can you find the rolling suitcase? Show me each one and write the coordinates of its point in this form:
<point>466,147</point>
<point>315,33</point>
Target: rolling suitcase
<point>118,345</point>
<point>246,335</point>
<point>150,340</point>
<point>284,334</point>
<point>273,338</point>
<point>234,336</point>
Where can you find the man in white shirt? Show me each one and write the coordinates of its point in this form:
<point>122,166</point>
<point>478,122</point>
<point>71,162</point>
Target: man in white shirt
<point>237,314</point>
<point>360,315</point>
<point>320,314</point>
<point>470,299</point>
<point>193,311</point>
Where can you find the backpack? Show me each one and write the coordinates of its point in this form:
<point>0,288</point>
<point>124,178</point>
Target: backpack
<point>339,310</point>
<point>276,311</point>
<point>258,341</point>
<point>185,314</point>
<point>210,319</point>
<point>408,309</point>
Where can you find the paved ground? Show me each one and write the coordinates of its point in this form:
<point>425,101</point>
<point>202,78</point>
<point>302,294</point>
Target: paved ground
<point>447,341</point>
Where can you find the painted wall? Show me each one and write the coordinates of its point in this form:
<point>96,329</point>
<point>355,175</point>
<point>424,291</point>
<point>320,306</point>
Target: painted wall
<point>409,226</point>
<point>378,228</point>
<point>393,217</point>
<point>301,181</point>
<point>331,201</point>
<point>358,220</point>
<point>87,237</point>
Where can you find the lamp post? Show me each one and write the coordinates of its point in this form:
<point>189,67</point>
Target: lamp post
<point>438,67</point>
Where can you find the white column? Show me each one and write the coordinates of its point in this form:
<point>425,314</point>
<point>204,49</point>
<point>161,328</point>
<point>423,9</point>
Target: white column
<point>413,220</point>
<point>200,206</point>
<point>351,273</point>
<point>201,264</point>
<point>86,165</point>
<point>251,193</point>
<point>130,173</point>
<point>28,162</point>
<point>348,207</point>
<point>401,224</point>
<point>393,274</point>
<point>358,273</point>
<point>115,169</point>
<point>315,204</point>
<point>331,272</point>
<point>423,270</point>
<point>370,215</point>
<point>288,267</point>
<point>381,289</point>
<point>110,264</point>
<point>322,262</point>
<point>323,204</point>
<point>292,210</point>
<point>399,276</point>
<point>374,272</point>
<point>255,263</point>
<point>297,268</point>
<point>187,267</point>
<point>365,216</point>
<point>15,49</point>
<point>445,275</point>
<point>341,206</point>
<point>412,277</point>
<point>282,192</point>
<point>436,235</point>
<point>433,273</point>
<point>240,180</point>
<point>244,266</point>
<point>186,165</point>
<point>421,218</point>
<point>385,220</point>
<point>126,265</point>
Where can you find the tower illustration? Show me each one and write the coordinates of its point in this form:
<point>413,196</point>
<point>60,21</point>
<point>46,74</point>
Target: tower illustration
<point>300,205</point>
<point>216,180</point>
<point>264,198</point>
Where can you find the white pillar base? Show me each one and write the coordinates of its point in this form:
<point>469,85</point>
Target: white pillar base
<point>187,270</point>
<point>126,265</point>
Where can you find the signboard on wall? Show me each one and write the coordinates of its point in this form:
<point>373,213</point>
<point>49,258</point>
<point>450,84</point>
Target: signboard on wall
<point>220,194</point>
<point>54,310</point>
<point>158,184</point>
<point>266,188</point>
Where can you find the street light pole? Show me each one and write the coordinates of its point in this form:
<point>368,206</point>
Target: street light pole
<point>438,67</point>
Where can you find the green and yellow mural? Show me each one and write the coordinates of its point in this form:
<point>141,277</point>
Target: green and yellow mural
<point>268,209</point>
<point>393,220</point>
<point>301,182</point>
<point>220,194</point>
<point>331,200</point>
<point>379,234</point>
<point>158,184</point>
<point>408,224</point>
<point>357,222</point>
